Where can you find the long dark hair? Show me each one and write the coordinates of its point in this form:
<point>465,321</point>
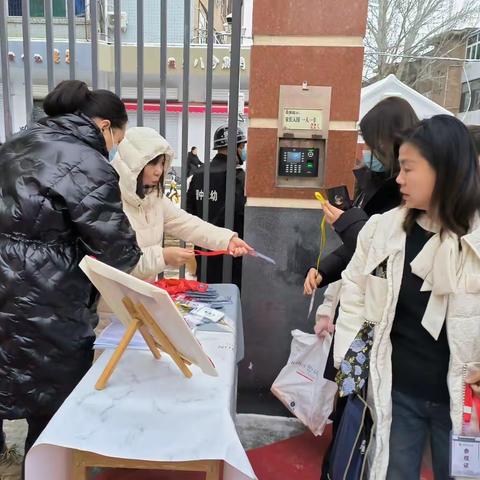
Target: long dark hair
<point>160,188</point>
<point>72,96</point>
<point>380,127</point>
<point>475,133</point>
<point>446,144</point>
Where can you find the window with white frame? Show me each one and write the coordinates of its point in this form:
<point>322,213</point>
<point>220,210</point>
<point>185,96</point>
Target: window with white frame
<point>470,98</point>
<point>473,47</point>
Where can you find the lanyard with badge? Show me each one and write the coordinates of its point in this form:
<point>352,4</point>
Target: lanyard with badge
<point>465,448</point>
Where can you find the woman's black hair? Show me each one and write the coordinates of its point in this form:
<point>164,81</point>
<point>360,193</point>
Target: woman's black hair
<point>160,188</point>
<point>72,96</point>
<point>192,149</point>
<point>380,127</point>
<point>446,144</point>
<point>475,133</point>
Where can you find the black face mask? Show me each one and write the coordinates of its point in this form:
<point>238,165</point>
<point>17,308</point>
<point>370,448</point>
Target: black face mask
<point>363,177</point>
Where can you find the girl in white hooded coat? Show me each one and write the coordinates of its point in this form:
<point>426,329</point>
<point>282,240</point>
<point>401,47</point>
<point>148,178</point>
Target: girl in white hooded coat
<point>142,159</point>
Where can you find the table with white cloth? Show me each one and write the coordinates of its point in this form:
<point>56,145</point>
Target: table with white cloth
<point>150,415</point>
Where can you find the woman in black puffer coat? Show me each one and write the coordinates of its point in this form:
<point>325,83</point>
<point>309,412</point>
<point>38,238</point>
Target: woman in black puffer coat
<point>59,200</point>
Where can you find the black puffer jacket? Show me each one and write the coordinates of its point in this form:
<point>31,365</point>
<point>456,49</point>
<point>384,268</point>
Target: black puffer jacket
<point>59,200</point>
<point>377,195</point>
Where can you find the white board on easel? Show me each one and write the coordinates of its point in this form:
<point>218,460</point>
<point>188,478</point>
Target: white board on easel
<point>115,285</point>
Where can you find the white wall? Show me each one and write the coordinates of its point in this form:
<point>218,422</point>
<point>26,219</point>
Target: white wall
<point>196,131</point>
<point>472,69</point>
<point>471,73</point>
<point>470,118</point>
<point>17,106</point>
<point>248,20</point>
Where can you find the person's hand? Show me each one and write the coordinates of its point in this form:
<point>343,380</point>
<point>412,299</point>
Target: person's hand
<point>312,281</point>
<point>323,326</point>
<point>332,214</point>
<point>237,247</point>
<point>176,256</point>
<point>474,380</point>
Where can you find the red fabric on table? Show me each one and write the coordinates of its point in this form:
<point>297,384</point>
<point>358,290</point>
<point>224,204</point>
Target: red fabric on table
<point>174,286</point>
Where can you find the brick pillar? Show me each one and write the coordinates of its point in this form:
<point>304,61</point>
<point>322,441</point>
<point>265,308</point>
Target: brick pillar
<point>321,42</point>
<point>318,41</point>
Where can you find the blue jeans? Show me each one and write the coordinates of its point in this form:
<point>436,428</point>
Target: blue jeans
<point>413,420</point>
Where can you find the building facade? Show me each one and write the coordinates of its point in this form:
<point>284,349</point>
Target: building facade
<point>175,33</point>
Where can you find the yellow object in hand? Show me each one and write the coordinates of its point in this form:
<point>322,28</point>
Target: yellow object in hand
<point>320,197</point>
<point>323,233</point>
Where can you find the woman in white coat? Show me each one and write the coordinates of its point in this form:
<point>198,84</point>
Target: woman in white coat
<point>142,159</point>
<point>415,275</point>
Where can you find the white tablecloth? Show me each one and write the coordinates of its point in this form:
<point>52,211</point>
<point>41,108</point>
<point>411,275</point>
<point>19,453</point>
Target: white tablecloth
<point>149,411</point>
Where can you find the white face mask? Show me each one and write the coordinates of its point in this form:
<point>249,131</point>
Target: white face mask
<point>113,150</point>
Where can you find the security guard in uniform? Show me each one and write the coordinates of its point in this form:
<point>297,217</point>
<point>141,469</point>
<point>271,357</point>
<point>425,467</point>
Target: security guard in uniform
<point>216,198</point>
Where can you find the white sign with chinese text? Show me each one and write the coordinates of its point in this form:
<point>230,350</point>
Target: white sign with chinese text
<point>302,119</point>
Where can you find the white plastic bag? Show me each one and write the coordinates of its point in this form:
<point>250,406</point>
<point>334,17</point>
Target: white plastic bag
<point>300,385</point>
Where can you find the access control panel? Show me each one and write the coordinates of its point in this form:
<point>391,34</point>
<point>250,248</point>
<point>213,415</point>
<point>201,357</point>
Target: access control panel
<point>302,135</point>
<point>298,162</point>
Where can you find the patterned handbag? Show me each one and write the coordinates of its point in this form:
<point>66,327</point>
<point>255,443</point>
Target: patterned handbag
<point>354,369</point>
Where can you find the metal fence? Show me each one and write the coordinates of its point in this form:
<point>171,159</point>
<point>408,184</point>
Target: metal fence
<point>23,8</point>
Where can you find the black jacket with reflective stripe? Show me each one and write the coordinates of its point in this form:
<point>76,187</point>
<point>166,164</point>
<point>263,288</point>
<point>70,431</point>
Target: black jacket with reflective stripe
<point>216,209</point>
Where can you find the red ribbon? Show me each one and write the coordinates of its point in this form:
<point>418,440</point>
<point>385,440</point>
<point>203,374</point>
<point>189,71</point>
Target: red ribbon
<point>174,286</point>
<point>211,254</point>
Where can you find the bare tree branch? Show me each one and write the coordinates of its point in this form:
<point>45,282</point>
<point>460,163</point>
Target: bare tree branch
<point>413,27</point>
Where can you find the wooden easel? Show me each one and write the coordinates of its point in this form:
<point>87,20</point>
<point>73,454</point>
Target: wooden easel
<point>154,337</point>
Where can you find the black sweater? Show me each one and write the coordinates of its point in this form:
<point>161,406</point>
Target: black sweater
<point>419,362</point>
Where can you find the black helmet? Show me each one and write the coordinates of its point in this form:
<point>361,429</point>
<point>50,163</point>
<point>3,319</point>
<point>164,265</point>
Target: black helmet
<point>220,139</point>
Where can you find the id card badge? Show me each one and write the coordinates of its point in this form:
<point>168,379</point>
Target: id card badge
<point>465,456</point>
<point>465,449</point>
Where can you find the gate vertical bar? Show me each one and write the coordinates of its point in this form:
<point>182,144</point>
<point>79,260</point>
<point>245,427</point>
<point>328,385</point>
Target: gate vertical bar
<point>185,101</point>
<point>140,63</point>
<point>49,39</point>
<point>72,37</point>
<point>7,109</point>
<point>185,97</point>
<point>208,124</point>
<point>232,126</point>
<point>27,60</point>
<point>94,42</point>
<point>163,66</point>
<point>118,48</point>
